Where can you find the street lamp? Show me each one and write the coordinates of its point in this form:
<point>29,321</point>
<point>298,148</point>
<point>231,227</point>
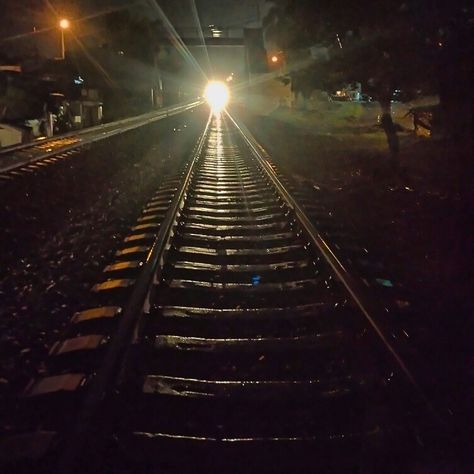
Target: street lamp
<point>64,24</point>
<point>277,61</point>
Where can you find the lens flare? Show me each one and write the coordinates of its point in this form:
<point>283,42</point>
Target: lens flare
<point>217,95</point>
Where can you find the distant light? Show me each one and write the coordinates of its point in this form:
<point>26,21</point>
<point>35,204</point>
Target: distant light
<point>230,78</point>
<point>64,24</point>
<point>274,59</point>
<point>217,95</point>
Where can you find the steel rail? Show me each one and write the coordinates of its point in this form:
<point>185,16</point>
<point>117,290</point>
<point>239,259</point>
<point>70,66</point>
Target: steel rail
<point>107,130</point>
<point>369,308</point>
<point>101,384</point>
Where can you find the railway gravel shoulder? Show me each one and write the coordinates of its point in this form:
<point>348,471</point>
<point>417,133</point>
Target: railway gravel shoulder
<point>226,332</point>
<point>61,226</point>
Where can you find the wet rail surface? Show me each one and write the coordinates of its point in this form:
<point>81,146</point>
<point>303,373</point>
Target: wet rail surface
<point>248,352</point>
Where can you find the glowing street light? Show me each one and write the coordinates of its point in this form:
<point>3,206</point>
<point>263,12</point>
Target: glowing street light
<point>64,24</point>
<point>277,62</point>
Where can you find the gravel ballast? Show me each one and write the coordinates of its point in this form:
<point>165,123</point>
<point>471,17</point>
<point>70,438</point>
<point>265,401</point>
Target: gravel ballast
<point>62,225</point>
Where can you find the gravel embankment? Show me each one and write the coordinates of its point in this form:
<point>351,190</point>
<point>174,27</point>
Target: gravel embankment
<point>60,227</point>
<point>415,223</point>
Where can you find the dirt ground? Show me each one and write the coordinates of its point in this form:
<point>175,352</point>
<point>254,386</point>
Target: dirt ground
<point>415,219</point>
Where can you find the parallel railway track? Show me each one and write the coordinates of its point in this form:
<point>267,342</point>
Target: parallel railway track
<point>26,158</point>
<point>241,344</point>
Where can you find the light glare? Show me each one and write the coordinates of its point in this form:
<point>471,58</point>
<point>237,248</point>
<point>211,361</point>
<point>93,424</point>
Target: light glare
<point>64,24</point>
<point>217,95</point>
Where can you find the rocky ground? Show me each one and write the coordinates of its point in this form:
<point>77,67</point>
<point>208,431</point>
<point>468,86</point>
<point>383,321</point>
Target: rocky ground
<point>59,229</point>
<point>415,219</point>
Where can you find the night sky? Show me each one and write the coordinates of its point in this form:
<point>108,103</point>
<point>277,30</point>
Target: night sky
<point>25,17</point>
<point>20,17</point>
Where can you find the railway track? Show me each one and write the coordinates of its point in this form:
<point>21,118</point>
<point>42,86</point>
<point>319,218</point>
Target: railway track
<point>26,158</point>
<point>229,339</point>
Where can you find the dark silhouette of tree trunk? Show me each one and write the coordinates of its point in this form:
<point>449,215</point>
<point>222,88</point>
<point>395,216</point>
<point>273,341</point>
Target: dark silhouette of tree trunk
<point>389,128</point>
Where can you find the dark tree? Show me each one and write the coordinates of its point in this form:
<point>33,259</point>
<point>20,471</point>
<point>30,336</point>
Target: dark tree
<point>385,45</point>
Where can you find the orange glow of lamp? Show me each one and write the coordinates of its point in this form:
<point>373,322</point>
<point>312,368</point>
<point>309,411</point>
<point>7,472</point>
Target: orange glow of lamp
<point>64,24</point>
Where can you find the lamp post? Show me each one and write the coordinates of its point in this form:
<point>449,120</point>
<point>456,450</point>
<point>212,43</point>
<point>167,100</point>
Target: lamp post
<point>64,24</point>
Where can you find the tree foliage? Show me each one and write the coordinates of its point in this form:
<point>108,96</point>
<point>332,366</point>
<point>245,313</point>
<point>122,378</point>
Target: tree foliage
<point>409,45</point>
<point>137,37</point>
<point>376,43</point>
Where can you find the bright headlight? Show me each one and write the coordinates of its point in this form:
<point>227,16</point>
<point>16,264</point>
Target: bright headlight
<point>217,95</point>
